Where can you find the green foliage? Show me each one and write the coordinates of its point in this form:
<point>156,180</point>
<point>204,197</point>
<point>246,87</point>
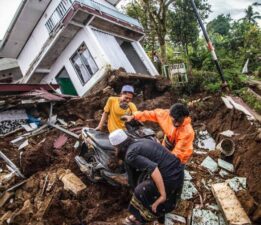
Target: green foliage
<point>250,99</point>
<point>220,25</point>
<point>200,81</point>
<point>234,41</point>
<point>251,16</point>
<point>182,23</point>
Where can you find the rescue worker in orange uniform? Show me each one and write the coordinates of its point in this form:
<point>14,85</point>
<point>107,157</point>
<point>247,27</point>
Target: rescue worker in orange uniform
<point>176,125</point>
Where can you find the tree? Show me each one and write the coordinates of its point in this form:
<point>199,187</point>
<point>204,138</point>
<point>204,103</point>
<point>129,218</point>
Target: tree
<point>156,12</point>
<point>251,16</point>
<point>184,29</point>
<point>220,25</point>
<point>135,10</point>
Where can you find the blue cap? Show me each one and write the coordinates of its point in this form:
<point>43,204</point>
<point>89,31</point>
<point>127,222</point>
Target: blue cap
<point>127,88</point>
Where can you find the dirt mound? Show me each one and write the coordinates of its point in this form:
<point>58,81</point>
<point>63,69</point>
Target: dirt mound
<point>34,203</point>
<point>37,158</point>
<point>150,93</point>
<point>247,155</point>
<point>43,199</point>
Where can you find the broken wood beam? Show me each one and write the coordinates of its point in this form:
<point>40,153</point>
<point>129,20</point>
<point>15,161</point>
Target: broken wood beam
<point>230,206</point>
<point>5,197</point>
<point>64,130</point>
<point>11,164</point>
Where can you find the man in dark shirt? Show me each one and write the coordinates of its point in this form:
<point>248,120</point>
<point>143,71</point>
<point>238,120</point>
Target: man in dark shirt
<point>156,196</point>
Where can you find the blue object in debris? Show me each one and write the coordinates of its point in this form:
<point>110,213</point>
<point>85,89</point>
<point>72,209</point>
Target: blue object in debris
<point>35,120</point>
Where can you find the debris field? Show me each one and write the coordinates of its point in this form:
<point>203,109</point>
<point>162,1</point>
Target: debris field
<point>40,182</point>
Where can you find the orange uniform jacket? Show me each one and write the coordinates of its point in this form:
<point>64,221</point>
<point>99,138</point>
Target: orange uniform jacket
<point>182,136</point>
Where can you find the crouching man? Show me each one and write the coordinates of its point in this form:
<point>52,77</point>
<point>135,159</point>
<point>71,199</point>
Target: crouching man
<point>155,196</point>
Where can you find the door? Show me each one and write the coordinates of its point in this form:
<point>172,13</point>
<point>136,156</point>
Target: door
<point>65,83</point>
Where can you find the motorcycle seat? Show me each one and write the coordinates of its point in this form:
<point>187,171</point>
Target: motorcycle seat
<point>101,139</point>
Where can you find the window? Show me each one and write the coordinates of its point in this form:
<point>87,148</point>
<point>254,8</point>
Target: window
<point>84,63</point>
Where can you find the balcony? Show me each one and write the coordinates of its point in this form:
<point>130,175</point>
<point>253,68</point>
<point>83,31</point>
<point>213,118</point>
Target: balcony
<point>94,8</point>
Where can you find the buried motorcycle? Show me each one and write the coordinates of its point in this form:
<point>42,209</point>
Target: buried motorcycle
<point>97,159</point>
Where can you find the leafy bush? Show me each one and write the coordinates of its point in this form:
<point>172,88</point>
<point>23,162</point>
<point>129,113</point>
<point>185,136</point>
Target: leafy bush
<point>250,99</point>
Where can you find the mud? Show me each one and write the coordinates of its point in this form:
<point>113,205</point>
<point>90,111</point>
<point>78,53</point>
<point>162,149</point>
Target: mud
<point>102,204</point>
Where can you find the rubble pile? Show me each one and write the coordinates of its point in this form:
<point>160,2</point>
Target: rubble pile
<point>50,188</point>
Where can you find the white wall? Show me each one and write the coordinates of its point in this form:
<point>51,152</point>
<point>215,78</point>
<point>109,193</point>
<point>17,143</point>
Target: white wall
<point>84,35</point>
<point>144,57</point>
<point>113,51</point>
<point>40,35</point>
<point>37,39</point>
<point>102,49</point>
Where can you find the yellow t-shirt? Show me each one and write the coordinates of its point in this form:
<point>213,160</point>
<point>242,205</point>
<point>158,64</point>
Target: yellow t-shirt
<point>115,112</point>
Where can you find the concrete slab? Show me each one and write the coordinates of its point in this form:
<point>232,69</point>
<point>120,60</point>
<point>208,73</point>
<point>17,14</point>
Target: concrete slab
<point>187,175</point>
<point>210,164</point>
<point>230,206</point>
<point>205,141</point>
<point>172,219</point>
<point>189,190</point>
<point>204,217</point>
<point>237,183</point>
<point>72,182</point>
<point>225,165</point>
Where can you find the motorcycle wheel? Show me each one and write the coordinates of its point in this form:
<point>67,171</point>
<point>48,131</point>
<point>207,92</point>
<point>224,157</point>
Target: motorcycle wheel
<point>91,174</point>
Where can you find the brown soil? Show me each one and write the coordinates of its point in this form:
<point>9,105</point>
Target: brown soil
<point>101,203</point>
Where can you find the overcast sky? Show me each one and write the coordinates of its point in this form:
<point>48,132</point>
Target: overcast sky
<point>234,7</point>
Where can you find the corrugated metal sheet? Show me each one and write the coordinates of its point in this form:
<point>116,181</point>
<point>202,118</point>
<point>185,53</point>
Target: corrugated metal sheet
<point>114,52</point>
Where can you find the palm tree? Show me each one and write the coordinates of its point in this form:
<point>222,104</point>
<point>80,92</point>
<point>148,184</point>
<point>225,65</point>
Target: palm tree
<point>251,15</point>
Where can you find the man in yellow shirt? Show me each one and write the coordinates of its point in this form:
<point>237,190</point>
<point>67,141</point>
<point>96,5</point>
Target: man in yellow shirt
<point>116,107</point>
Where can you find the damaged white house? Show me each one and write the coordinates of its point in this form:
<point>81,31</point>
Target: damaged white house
<point>74,42</point>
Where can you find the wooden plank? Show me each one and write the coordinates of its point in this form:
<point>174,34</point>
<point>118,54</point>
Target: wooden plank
<point>230,206</point>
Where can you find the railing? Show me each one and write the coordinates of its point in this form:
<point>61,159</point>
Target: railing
<point>59,13</point>
<point>65,5</point>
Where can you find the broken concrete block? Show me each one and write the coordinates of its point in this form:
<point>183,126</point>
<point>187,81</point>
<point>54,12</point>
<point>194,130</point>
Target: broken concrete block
<point>223,173</point>
<point>237,183</point>
<point>210,164</point>
<point>72,182</point>
<point>212,207</point>
<point>228,133</point>
<point>27,127</point>
<point>76,145</point>
<point>188,191</point>
<point>187,175</point>
<point>23,145</point>
<point>230,206</point>
<point>204,217</point>
<point>205,141</point>
<point>225,165</point>
<point>227,103</point>
<point>171,219</point>
<point>200,152</point>
<point>18,141</point>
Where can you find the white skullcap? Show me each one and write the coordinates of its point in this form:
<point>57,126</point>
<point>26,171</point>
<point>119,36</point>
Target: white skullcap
<point>117,137</point>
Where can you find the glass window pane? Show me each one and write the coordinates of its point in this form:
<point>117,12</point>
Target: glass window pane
<point>84,64</point>
<point>89,62</point>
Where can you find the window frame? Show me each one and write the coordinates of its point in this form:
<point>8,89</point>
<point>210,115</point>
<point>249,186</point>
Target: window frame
<point>79,55</point>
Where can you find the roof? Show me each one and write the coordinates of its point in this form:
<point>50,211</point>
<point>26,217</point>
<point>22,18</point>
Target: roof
<point>7,63</point>
<point>30,12</point>
<point>19,88</point>
<point>21,27</point>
